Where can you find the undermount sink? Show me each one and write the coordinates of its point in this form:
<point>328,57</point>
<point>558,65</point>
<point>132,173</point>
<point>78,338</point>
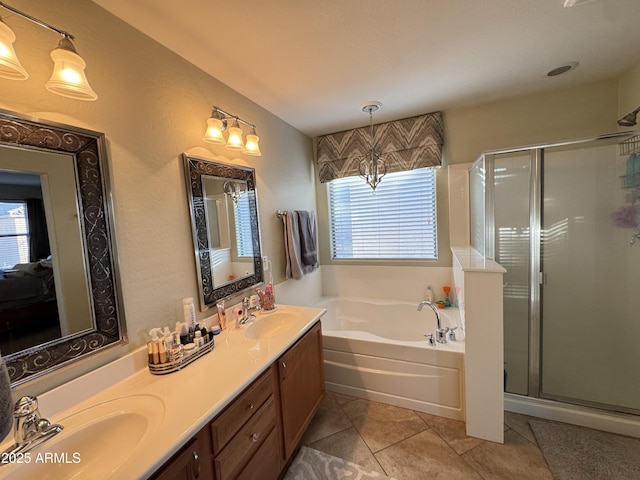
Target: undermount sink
<point>270,325</point>
<point>95,441</point>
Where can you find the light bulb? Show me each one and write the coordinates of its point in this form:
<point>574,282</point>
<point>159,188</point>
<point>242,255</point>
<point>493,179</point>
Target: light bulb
<point>68,78</point>
<point>213,134</point>
<point>234,142</point>
<point>10,66</point>
<point>251,146</point>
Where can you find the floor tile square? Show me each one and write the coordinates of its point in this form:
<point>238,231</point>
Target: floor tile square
<point>452,431</point>
<point>425,456</point>
<point>349,446</point>
<point>517,458</point>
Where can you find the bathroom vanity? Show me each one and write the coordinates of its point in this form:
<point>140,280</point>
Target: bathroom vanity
<point>236,413</point>
<point>255,435</point>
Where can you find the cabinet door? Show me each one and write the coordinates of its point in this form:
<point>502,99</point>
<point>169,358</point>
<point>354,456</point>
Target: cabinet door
<point>301,376</point>
<point>193,462</point>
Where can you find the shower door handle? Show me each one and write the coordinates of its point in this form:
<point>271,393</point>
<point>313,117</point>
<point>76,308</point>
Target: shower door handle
<point>542,278</point>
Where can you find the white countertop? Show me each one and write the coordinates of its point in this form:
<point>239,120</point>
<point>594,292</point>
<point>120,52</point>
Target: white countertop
<point>191,397</point>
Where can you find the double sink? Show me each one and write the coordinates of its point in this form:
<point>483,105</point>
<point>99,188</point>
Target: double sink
<point>98,441</point>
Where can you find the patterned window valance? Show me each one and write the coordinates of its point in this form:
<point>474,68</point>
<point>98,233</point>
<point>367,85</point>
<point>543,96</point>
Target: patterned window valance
<point>405,144</point>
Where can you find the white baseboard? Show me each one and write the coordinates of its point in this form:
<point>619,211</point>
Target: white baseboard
<point>613,422</point>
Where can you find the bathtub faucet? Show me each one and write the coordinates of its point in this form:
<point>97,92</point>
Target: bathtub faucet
<point>441,333</point>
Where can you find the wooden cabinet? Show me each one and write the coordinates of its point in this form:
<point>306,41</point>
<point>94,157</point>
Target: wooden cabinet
<point>301,386</point>
<point>248,430</point>
<point>192,462</point>
<point>254,436</point>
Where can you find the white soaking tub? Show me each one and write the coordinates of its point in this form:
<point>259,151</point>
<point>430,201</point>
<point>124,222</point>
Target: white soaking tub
<point>375,349</point>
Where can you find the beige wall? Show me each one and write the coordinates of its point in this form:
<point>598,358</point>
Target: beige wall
<point>152,106</point>
<point>629,92</point>
<point>547,117</point>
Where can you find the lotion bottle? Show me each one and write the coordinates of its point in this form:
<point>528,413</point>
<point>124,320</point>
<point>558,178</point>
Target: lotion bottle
<point>155,346</point>
<point>429,296</point>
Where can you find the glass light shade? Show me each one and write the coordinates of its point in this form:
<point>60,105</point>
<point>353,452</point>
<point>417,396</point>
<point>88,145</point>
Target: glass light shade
<point>68,78</point>
<point>214,131</point>
<point>234,141</point>
<point>251,146</point>
<point>10,66</point>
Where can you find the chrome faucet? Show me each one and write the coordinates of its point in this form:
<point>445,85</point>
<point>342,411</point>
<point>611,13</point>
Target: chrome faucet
<point>246,311</point>
<point>441,333</point>
<point>29,429</point>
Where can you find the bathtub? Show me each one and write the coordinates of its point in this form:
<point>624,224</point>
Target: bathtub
<point>375,349</point>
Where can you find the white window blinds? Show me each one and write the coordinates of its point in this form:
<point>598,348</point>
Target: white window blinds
<point>14,235</point>
<point>398,221</point>
<point>243,226</point>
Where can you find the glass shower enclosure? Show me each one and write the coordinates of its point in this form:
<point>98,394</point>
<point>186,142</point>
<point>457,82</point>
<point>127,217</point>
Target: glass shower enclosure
<point>561,219</point>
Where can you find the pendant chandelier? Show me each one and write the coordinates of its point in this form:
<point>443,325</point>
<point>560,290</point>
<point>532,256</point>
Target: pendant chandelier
<point>372,167</point>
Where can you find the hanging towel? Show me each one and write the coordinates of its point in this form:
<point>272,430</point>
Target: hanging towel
<point>6,403</point>
<point>300,243</point>
<point>308,242</point>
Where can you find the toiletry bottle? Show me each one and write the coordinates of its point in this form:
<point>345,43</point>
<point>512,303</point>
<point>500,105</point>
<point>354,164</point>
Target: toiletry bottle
<point>198,339</point>
<point>204,333</point>
<point>269,290</point>
<point>222,319</point>
<point>168,344</point>
<point>176,349</point>
<point>155,346</point>
<point>189,312</point>
<point>184,334</point>
<point>447,301</point>
<point>429,296</point>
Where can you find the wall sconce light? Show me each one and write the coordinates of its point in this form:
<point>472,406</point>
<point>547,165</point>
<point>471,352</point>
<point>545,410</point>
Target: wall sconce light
<point>217,124</point>
<point>68,78</point>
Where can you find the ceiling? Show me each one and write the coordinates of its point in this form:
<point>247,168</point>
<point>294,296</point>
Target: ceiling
<point>313,63</point>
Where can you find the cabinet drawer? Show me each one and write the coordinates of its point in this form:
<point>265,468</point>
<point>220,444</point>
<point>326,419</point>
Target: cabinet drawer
<point>225,426</point>
<point>267,462</point>
<point>246,442</point>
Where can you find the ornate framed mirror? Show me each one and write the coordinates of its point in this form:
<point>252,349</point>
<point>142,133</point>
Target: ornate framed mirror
<point>226,233</point>
<point>60,300</point>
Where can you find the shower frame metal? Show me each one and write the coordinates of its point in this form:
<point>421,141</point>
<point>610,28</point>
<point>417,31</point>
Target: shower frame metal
<point>536,272</point>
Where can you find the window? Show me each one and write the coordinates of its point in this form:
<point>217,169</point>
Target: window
<point>243,226</point>
<point>14,234</point>
<point>398,221</point>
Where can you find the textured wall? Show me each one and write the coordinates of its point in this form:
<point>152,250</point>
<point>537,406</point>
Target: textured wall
<point>152,107</point>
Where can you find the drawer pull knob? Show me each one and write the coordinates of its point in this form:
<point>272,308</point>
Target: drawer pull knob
<point>255,437</point>
<point>251,405</point>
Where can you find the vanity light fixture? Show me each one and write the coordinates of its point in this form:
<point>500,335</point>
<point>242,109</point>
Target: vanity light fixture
<point>234,190</point>
<point>372,167</point>
<point>68,78</point>
<point>217,124</point>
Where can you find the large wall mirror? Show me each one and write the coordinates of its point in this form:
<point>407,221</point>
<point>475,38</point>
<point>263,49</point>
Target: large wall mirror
<point>59,287</point>
<point>226,234</point>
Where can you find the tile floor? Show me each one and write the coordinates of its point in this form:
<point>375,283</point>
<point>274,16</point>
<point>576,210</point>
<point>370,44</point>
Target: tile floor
<point>411,445</point>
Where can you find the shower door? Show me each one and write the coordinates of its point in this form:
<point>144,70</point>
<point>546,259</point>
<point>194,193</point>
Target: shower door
<point>572,288</point>
<point>590,342</point>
